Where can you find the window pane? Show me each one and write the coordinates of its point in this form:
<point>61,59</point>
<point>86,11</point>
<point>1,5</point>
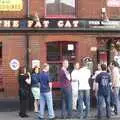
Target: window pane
<point>52,7</point>
<point>67,7</point>
<point>68,53</point>
<point>60,7</point>
<point>53,51</point>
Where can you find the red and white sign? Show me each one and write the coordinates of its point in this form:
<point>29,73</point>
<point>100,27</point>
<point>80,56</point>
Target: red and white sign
<point>113,3</point>
<point>14,64</point>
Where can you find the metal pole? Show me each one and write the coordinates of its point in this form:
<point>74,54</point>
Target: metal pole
<point>28,8</point>
<point>27,36</point>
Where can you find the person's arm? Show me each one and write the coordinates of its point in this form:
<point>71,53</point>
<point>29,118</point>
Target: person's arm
<point>110,80</point>
<point>28,80</point>
<point>114,77</point>
<point>97,78</point>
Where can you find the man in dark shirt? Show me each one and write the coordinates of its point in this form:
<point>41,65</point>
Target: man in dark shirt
<point>66,90</point>
<point>45,93</point>
<point>104,80</point>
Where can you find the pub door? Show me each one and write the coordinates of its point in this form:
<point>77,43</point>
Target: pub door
<point>56,52</point>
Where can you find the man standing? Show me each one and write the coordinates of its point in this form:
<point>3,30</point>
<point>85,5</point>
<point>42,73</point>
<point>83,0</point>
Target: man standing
<point>104,80</point>
<point>84,90</point>
<point>66,90</point>
<point>115,86</point>
<point>75,78</point>
<point>45,93</point>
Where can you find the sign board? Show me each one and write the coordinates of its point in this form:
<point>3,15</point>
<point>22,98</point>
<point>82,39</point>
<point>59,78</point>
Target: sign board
<point>14,64</point>
<point>11,5</point>
<point>113,3</point>
<point>35,63</point>
<point>58,24</point>
<point>70,47</point>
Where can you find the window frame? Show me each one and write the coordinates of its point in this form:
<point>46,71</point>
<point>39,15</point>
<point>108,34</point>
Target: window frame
<point>60,16</point>
<point>61,45</point>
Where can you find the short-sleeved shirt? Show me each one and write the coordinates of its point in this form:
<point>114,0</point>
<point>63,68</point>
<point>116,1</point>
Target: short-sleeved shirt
<point>44,80</point>
<point>34,80</point>
<point>103,80</point>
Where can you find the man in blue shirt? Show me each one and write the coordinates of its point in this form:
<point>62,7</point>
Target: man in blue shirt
<point>45,93</point>
<point>104,80</point>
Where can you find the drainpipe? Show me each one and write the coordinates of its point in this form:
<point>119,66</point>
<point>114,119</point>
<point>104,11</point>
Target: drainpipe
<point>27,35</point>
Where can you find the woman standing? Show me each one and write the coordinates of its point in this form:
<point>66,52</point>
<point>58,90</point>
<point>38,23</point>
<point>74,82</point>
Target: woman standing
<point>35,88</point>
<point>24,82</point>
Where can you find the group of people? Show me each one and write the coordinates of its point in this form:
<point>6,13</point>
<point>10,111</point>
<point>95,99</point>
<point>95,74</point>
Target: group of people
<point>75,89</point>
<point>106,86</point>
<point>41,88</point>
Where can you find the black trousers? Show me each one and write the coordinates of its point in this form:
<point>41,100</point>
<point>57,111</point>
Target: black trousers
<point>23,103</point>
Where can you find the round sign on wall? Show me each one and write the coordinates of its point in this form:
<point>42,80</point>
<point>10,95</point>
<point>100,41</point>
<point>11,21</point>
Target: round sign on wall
<point>14,64</point>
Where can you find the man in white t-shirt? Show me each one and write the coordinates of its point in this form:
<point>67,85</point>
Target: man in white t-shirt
<point>75,78</point>
<point>115,85</point>
<point>84,90</point>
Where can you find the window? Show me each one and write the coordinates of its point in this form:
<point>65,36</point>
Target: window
<point>60,8</point>
<point>57,51</point>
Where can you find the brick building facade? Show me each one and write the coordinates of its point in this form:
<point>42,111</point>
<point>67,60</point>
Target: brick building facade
<point>14,41</point>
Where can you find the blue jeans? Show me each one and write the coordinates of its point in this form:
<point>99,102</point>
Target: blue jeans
<point>66,101</point>
<point>84,96</point>
<point>116,99</point>
<point>100,106</point>
<point>46,98</point>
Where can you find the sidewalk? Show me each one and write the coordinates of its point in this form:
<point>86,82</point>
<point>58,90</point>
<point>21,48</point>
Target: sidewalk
<point>9,111</point>
<point>32,116</point>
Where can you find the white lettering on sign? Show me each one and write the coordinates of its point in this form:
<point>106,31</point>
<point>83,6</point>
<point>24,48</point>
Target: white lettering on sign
<point>46,23</point>
<point>38,24</point>
<point>7,23</point>
<point>75,23</point>
<point>68,24</point>
<point>30,23</point>
<point>60,23</point>
<point>94,22</point>
<point>16,23</point>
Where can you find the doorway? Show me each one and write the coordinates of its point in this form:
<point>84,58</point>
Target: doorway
<point>56,52</point>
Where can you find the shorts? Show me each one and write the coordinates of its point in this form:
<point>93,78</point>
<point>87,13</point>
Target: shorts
<point>36,92</point>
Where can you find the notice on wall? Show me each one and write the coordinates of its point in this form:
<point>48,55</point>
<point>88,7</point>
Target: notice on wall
<point>11,5</point>
<point>35,63</point>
